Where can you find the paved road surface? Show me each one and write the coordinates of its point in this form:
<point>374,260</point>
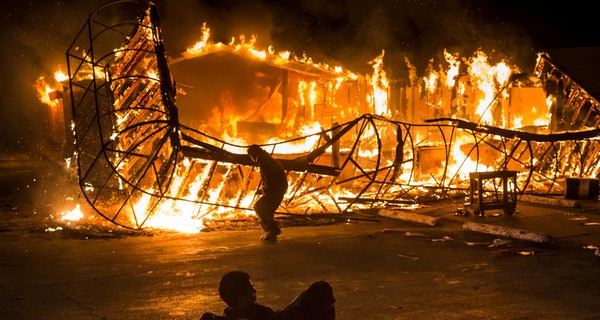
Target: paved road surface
<point>380,269</point>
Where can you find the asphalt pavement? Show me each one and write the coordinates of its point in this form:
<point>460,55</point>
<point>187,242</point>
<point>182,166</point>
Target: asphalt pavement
<point>438,262</point>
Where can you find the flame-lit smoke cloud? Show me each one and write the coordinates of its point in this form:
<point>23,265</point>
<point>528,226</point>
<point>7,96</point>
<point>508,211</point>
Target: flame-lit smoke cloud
<point>36,34</point>
<point>34,39</point>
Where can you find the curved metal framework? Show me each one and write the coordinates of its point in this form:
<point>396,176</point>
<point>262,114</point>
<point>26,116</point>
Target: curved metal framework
<point>135,159</point>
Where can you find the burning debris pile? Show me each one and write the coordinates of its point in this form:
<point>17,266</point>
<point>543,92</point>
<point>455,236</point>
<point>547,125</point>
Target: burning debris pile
<point>160,142</point>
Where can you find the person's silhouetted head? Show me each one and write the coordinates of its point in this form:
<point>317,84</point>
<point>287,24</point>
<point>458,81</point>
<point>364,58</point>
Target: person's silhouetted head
<point>254,151</point>
<point>236,289</point>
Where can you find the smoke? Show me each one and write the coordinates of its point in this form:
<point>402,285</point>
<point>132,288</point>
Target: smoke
<point>34,40</point>
<point>349,33</point>
<point>182,22</point>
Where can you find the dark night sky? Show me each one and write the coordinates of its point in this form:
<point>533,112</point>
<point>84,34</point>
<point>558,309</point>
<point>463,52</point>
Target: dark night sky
<point>35,35</point>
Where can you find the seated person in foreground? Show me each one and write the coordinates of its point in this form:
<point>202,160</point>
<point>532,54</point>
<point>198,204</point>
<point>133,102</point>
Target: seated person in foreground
<point>237,291</point>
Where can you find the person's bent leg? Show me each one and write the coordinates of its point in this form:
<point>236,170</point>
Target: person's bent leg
<point>262,211</point>
<point>211,316</point>
<point>273,201</point>
<point>315,303</point>
<point>265,208</point>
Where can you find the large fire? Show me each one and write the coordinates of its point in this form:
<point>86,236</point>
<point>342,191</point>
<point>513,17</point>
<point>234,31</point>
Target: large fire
<point>167,155</point>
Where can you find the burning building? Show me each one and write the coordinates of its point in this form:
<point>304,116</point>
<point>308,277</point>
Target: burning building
<point>160,141</point>
<point>237,91</point>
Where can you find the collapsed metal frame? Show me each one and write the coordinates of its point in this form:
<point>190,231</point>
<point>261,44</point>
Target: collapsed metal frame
<point>135,160</point>
<point>573,107</point>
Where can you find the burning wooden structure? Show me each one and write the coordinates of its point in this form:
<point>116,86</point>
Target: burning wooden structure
<point>153,153</point>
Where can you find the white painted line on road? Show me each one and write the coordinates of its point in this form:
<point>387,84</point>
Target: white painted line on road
<point>409,216</point>
<point>507,232</point>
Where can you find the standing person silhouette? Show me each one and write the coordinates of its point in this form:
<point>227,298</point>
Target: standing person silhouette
<point>274,186</point>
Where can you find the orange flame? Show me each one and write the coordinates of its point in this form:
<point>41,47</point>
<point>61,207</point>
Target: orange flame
<point>44,91</point>
<point>380,86</point>
<point>182,216</point>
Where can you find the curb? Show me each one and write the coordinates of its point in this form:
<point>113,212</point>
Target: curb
<point>507,232</point>
<point>409,216</point>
